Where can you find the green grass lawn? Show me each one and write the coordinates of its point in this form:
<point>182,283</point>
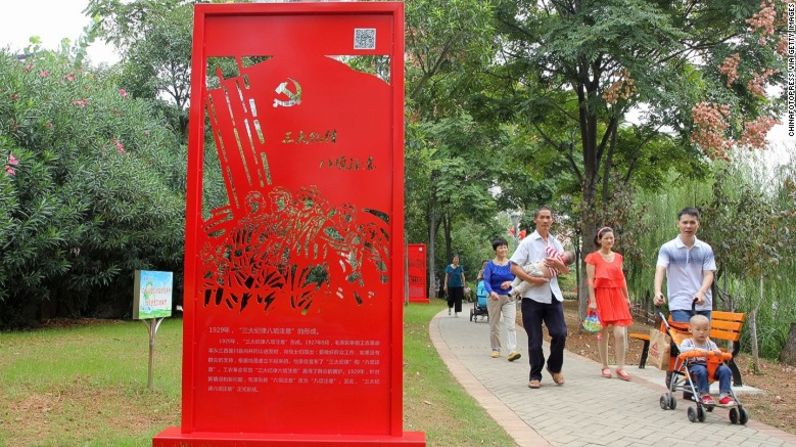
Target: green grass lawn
<point>86,386</point>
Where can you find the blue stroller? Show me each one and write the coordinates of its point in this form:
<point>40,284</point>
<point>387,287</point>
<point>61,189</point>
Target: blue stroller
<point>479,305</point>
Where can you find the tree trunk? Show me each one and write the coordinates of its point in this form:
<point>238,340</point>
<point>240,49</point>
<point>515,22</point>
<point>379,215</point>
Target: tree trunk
<point>753,335</point>
<point>588,229</point>
<point>788,354</point>
<point>587,90</point>
<point>446,227</point>
<point>579,273</point>
<point>753,328</point>
<point>431,250</point>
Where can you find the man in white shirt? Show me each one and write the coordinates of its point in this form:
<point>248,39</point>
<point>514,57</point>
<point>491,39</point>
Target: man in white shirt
<point>542,302</point>
<point>688,265</point>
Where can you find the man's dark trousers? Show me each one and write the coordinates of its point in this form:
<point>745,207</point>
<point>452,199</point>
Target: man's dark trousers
<point>533,314</point>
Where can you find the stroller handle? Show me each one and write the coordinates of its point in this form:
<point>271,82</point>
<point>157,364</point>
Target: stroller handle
<point>663,317</point>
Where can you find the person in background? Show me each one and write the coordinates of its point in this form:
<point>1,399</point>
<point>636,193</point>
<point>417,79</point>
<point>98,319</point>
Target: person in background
<point>500,304</point>
<point>454,286</point>
<point>609,297</point>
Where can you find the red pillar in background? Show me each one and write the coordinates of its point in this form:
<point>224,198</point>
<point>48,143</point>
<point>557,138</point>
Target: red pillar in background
<point>294,285</point>
<point>417,274</point>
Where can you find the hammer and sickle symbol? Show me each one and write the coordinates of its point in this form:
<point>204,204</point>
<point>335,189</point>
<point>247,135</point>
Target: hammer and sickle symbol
<point>294,96</point>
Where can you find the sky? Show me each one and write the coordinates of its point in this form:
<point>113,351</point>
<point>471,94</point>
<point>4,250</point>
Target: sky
<point>53,20</point>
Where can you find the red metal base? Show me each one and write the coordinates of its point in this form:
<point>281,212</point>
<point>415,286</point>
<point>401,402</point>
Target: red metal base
<point>173,437</point>
<point>419,300</point>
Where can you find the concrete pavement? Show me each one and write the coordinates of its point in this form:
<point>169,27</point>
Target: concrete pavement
<point>588,410</point>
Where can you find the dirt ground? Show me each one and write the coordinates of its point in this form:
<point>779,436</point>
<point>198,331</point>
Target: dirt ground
<point>775,407</point>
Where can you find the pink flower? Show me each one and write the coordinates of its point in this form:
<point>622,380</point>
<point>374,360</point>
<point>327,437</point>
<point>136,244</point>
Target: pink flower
<point>729,68</point>
<point>12,160</point>
<point>119,145</point>
<point>44,74</point>
<point>757,85</point>
<point>80,103</point>
<point>70,77</point>
<point>710,126</point>
<point>123,92</point>
<point>754,132</point>
<point>10,170</point>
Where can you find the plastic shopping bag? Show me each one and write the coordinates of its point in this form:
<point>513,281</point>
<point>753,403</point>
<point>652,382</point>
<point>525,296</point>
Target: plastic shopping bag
<point>591,323</point>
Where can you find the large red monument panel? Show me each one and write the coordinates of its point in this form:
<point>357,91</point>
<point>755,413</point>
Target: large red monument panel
<point>292,324</point>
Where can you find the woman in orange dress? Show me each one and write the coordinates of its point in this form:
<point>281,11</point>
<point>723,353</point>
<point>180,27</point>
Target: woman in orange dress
<point>608,295</point>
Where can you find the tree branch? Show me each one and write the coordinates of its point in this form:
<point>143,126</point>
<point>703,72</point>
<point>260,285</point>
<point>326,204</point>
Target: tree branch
<point>572,164</point>
<point>641,145</point>
<point>428,74</point>
<point>547,138</point>
<point>613,123</point>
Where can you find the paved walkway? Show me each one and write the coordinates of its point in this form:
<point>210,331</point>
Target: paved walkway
<point>588,410</point>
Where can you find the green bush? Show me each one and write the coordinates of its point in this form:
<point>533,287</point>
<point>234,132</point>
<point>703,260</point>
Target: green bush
<point>92,189</point>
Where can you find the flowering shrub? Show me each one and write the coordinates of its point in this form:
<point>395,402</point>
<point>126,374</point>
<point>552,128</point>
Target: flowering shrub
<point>92,188</point>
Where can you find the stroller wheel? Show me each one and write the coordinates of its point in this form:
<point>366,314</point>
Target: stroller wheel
<point>672,401</point>
<point>700,414</point>
<point>692,416</point>
<point>664,401</point>
<point>743,416</point>
<point>733,416</point>
<point>471,314</point>
<point>709,409</point>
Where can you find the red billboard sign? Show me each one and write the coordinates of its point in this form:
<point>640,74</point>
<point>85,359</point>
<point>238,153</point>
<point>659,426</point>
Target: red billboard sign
<point>293,296</point>
<point>418,290</point>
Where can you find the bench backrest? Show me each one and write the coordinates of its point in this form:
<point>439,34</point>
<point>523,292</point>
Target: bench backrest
<point>726,325</point>
<point>723,326</point>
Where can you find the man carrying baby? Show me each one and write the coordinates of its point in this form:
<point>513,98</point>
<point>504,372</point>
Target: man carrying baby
<point>543,301</point>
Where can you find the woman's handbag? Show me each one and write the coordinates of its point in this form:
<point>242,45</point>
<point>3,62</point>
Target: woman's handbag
<point>591,323</point>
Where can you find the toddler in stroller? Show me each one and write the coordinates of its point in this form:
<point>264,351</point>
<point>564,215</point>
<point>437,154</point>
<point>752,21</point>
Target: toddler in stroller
<point>697,362</point>
<point>479,305</point>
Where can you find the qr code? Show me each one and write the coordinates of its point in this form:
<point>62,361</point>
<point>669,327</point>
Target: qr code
<point>364,38</point>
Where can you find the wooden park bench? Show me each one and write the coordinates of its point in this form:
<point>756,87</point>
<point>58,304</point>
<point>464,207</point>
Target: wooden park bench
<point>723,326</point>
